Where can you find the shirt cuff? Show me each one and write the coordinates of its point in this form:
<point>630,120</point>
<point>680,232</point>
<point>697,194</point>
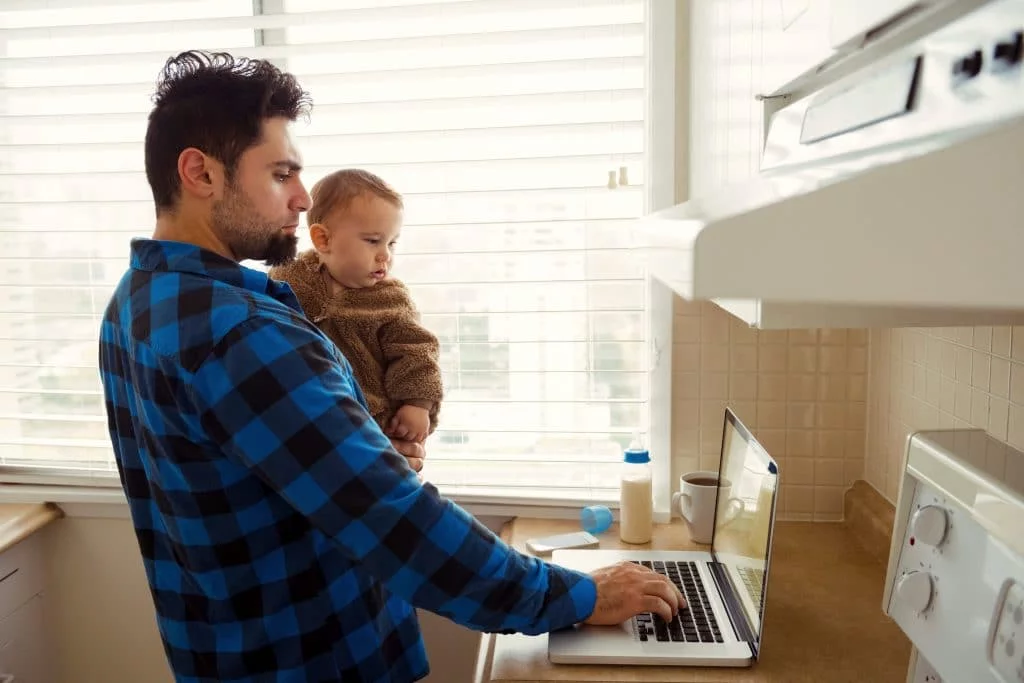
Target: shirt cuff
<point>584,597</point>
<point>575,596</point>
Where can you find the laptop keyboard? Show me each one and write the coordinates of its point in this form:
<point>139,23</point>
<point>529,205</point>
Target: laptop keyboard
<point>696,623</point>
<point>753,579</point>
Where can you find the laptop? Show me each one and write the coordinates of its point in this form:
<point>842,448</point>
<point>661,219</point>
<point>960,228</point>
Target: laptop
<point>725,588</point>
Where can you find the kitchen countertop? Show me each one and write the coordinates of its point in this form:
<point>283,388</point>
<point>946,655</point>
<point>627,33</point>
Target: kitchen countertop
<point>823,621</point>
<point>18,521</point>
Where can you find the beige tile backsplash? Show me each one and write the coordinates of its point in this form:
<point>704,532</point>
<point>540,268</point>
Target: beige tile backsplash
<point>828,413</point>
<point>802,392</point>
<point>940,378</point>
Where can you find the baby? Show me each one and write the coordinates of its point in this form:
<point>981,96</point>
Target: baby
<point>344,287</point>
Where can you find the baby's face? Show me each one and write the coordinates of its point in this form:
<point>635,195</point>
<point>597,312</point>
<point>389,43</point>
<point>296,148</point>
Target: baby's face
<point>360,241</point>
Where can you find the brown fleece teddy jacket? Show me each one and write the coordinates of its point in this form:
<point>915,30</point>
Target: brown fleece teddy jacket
<point>394,358</point>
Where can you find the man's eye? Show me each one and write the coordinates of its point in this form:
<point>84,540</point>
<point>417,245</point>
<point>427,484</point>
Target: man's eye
<point>373,241</point>
<point>283,177</point>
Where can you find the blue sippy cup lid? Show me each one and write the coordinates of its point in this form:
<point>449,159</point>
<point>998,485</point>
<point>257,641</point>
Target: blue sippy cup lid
<point>595,519</point>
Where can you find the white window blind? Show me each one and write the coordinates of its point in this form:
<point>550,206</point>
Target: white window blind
<point>501,122</point>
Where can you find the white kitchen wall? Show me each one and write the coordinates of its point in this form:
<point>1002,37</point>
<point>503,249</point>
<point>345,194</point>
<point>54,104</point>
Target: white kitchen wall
<point>802,392</point>
<point>940,378</point>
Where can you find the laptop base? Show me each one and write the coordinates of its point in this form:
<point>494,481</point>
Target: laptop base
<point>604,646</point>
<point>618,645</point>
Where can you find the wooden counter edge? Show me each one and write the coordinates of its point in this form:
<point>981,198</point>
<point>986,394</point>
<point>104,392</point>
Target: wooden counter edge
<point>19,521</point>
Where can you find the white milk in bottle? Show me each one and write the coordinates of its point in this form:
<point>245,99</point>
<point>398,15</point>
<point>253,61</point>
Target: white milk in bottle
<point>636,501</point>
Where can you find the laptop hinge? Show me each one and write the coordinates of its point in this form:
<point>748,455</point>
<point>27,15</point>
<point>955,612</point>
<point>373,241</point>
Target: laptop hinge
<point>733,605</point>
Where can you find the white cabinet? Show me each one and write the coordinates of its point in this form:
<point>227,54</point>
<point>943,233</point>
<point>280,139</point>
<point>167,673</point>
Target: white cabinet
<point>25,648</point>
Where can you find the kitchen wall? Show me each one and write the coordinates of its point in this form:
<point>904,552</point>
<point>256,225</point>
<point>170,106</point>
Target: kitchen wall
<point>99,606</point>
<point>940,378</point>
<point>803,392</point>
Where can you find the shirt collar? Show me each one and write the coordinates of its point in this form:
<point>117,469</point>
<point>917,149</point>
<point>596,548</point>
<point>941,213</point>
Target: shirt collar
<point>180,257</point>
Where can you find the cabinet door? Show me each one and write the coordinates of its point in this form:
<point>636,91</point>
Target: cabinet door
<point>21,574</point>
<point>24,648</point>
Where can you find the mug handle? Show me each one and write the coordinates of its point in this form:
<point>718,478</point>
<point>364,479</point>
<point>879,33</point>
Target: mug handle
<point>676,498</point>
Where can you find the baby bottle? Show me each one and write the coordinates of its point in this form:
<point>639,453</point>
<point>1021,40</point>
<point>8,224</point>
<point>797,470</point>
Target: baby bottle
<point>636,503</point>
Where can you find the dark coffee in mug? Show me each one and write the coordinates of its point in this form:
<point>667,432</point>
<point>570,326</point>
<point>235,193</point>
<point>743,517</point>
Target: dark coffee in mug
<point>702,481</point>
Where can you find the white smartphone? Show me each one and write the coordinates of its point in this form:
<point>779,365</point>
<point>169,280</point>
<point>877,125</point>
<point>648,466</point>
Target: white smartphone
<point>549,544</point>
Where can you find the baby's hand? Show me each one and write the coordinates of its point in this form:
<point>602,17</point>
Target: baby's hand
<point>411,423</point>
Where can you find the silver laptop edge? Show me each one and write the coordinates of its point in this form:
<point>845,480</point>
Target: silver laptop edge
<point>734,590</point>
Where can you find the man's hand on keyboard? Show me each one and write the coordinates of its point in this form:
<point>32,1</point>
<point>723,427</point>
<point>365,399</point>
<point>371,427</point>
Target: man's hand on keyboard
<point>627,589</point>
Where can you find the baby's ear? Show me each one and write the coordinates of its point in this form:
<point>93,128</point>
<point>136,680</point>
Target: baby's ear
<point>321,237</point>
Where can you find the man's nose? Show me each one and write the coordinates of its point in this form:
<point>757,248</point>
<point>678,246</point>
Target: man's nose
<point>301,201</point>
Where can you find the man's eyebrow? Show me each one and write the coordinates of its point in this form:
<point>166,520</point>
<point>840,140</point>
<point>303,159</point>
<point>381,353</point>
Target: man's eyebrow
<point>289,164</point>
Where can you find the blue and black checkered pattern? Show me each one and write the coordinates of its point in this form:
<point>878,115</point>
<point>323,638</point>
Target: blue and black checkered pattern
<point>283,538</point>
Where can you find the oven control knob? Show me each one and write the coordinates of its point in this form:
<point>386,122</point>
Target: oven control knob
<point>915,590</point>
<point>929,525</point>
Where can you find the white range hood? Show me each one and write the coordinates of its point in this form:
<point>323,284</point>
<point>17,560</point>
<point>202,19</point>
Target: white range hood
<point>892,197</point>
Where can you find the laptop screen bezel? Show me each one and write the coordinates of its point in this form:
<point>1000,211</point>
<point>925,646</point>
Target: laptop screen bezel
<point>732,419</point>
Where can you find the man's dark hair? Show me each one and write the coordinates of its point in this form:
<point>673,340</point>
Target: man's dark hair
<point>216,103</point>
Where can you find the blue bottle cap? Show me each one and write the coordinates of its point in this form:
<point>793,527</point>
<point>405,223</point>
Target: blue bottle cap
<point>595,519</point>
<point>637,457</point>
<point>636,454</point>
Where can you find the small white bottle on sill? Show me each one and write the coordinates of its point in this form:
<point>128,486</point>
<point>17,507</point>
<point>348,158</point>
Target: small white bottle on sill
<point>636,499</point>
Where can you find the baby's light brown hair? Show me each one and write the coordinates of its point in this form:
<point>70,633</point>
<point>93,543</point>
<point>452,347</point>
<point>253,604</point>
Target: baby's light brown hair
<point>338,189</point>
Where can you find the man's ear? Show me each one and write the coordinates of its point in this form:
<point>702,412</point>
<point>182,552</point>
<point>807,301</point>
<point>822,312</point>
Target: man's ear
<point>201,176</point>
<point>321,237</point>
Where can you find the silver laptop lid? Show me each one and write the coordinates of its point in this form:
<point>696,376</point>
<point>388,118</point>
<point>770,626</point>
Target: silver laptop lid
<point>745,519</point>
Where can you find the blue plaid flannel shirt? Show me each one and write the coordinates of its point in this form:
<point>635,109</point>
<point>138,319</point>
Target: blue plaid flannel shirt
<point>282,536</point>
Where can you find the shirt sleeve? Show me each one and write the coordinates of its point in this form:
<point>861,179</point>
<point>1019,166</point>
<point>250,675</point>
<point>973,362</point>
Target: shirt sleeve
<point>274,397</point>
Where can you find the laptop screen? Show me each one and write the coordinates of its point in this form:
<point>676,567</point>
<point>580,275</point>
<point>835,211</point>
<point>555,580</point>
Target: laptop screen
<point>744,514</point>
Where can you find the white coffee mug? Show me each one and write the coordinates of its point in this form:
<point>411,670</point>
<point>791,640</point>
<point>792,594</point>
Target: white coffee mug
<point>695,501</point>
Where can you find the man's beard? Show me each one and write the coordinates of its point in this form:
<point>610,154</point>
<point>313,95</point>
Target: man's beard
<point>248,234</point>
<point>281,249</point>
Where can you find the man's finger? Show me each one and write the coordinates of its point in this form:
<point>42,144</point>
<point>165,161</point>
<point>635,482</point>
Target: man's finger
<point>676,594</point>
<point>679,597</point>
<point>658,606</point>
<point>409,449</point>
<point>663,590</point>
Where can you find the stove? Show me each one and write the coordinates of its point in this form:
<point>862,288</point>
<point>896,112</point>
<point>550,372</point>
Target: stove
<point>955,581</point>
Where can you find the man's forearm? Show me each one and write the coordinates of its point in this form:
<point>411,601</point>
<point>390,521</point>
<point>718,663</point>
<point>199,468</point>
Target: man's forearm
<point>492,587</point>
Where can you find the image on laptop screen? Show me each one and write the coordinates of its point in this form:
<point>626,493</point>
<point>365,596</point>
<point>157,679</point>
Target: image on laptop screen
<point>743,519</point>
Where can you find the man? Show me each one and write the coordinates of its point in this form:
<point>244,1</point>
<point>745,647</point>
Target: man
<point>283,537</point>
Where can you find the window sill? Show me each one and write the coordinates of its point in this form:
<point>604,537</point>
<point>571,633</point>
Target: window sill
<point>99,494</point>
